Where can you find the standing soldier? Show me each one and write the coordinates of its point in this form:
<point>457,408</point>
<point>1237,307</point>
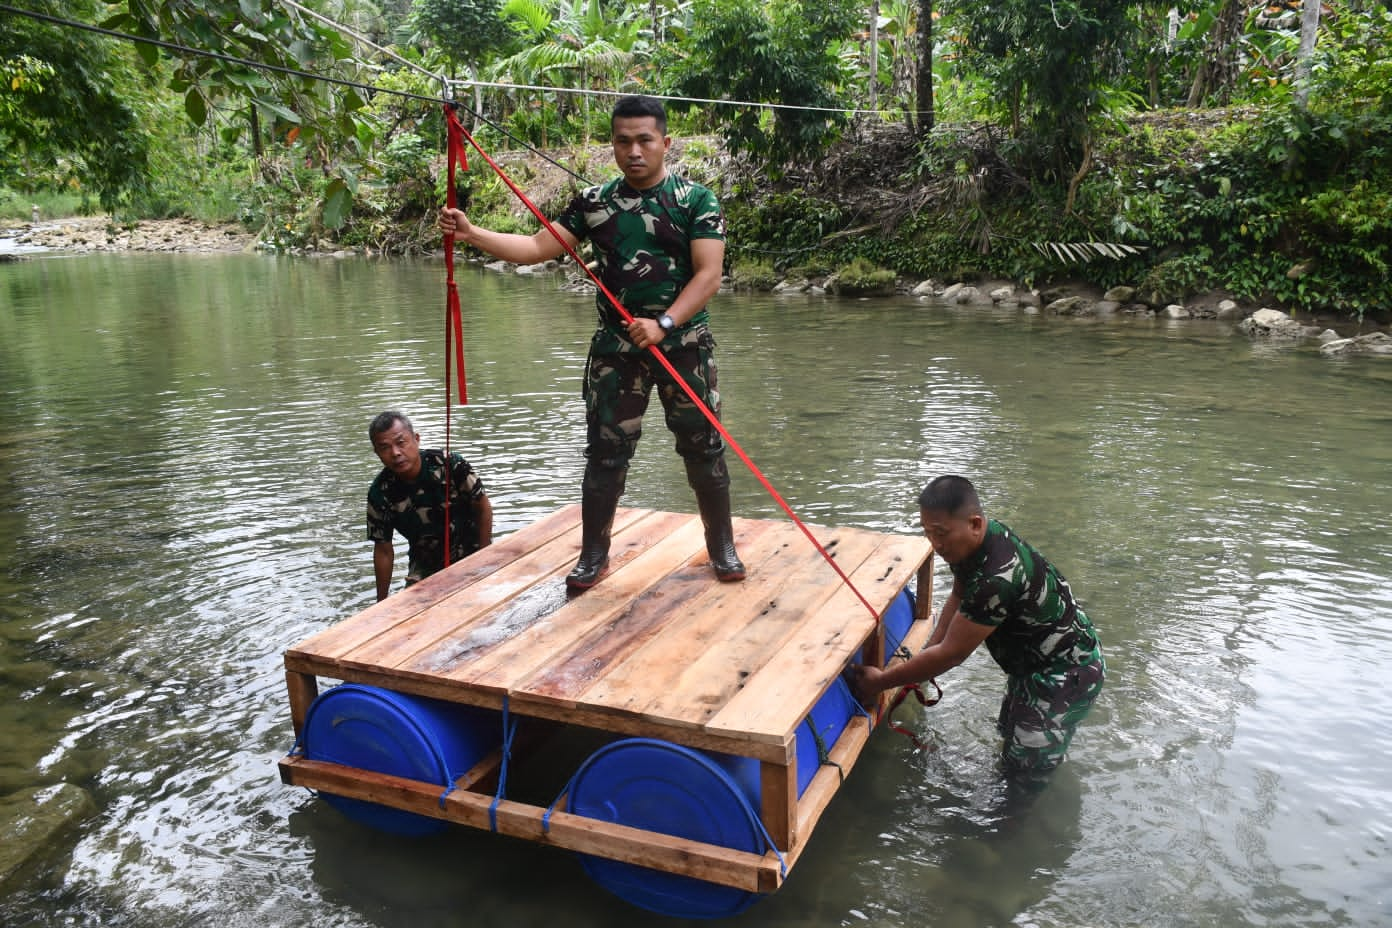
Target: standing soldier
<point>659,241</point>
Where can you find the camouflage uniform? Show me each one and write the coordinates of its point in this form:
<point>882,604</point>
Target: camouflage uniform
<point>1043,641</point>
<point>417,511</point>
<point>642,242</point>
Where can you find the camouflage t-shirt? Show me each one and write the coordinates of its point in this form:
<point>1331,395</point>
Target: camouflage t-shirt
<point>417,511</point>
<point>1009,584</point>
<point>642,244</point>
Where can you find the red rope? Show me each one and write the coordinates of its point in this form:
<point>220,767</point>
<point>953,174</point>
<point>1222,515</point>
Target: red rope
<point>667,365</point>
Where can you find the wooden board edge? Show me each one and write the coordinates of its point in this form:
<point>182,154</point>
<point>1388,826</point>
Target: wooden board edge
<point>714,864</point>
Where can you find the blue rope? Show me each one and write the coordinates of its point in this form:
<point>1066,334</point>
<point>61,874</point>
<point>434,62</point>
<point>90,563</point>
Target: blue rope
<point>509,729</point>
<point>565,791</point>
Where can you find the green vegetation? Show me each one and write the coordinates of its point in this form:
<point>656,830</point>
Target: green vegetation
<point>1182,147</point>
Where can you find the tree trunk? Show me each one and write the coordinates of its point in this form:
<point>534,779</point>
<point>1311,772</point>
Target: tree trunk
<point>874,54</point>
<point>1309,29</point>
<point>1217,71</point>
<point>924,88</point>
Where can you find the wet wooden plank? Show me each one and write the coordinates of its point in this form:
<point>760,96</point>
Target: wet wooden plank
<point>780,695</point>
<point>742,869</point>
<point>687,684</point>
<point>381,618</point>
<point>643,555</point>
<point>666,621</point>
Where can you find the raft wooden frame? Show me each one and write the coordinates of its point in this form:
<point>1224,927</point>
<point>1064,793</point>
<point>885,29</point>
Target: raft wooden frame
<point>657,649</point>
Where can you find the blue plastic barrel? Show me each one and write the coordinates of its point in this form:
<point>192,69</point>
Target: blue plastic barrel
<point>700,795</point>
<point>673,790</point>
<point>399,734</point>
<point>897,619</point>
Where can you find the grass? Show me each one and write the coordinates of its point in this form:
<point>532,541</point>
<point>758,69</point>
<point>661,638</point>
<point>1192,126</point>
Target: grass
<point>19,207</point>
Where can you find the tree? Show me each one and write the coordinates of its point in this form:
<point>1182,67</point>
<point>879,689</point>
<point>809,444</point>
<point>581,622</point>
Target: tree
<point>1050,61</point>
<point>467,31</point>
<point>924,84</point>
<point>277,90</point>
<point>61,116</point>
<point>782,52</point>
<point>577,43</point>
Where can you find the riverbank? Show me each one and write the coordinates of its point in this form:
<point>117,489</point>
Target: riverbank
<point>83,234</point>
<point>93,234</point>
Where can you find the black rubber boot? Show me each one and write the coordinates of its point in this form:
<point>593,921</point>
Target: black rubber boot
<point>599,497</point>
<point>711,481</point>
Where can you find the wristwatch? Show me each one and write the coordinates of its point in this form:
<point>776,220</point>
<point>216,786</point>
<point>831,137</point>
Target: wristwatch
<point>666,322</point>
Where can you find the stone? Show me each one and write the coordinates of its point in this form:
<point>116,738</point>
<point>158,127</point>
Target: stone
<point>926,288</point>
<point>1271,323</point>
<point>1300,270</point>
<point>1121,294</point>
<point>1071,306</point>
<point>1106,307</point>
<point>791,285</point>
<point>1003,295</point>
<point>1227,309</point>
<point>33,821</point>
<point>1374,343</point>
<point>950,294</point>
<point>1175,311</point>
<point>966,295</point>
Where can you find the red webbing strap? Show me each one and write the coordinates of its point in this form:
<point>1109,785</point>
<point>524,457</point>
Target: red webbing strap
<point>455,155</point>
<point>667,365</point>
<point>922,700</point>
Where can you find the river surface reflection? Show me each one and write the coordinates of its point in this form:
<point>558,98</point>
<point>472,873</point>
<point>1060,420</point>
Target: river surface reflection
<point>184,470</point>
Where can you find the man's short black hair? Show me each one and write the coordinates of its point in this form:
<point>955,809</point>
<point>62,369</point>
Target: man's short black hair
<point>638,105</point>
<point>386,421</point>
<point>952,494</point>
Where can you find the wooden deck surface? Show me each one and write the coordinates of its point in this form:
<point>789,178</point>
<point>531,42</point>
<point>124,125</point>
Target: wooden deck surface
<point>658,648</point>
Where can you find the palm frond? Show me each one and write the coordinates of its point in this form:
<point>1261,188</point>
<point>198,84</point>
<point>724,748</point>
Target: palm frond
<point>1083,252</point>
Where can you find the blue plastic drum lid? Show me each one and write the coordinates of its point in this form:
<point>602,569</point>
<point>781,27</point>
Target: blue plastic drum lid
<point>395,733</point>
<point>672,790</point>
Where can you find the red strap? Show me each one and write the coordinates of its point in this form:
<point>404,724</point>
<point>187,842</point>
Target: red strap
<point>455,155</point>
<point>922,700</point>
<point>681,381</point>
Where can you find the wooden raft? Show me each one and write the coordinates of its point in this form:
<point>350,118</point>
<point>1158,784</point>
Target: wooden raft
<point>657,649</point>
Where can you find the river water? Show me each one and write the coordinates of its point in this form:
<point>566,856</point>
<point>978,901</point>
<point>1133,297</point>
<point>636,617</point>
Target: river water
<point>183,470</point>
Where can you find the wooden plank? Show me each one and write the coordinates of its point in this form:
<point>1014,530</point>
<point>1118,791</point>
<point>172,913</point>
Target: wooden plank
<point>725,866</point>
<point>562,631</point>
<point>669,621</point>
<point>828,781</point>
<point>477,617</point>
<point>303,688</point>
<point>382,617</point>
<point>791,680</point>
<point>778,803</point>
<point>687,676</point>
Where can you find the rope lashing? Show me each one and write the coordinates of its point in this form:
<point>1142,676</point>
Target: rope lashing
<point>509,729</point>
<point>667,366</point>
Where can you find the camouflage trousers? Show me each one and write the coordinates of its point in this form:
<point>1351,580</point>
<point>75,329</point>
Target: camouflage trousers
<point>616,391</point>
<point>1040,713</point>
